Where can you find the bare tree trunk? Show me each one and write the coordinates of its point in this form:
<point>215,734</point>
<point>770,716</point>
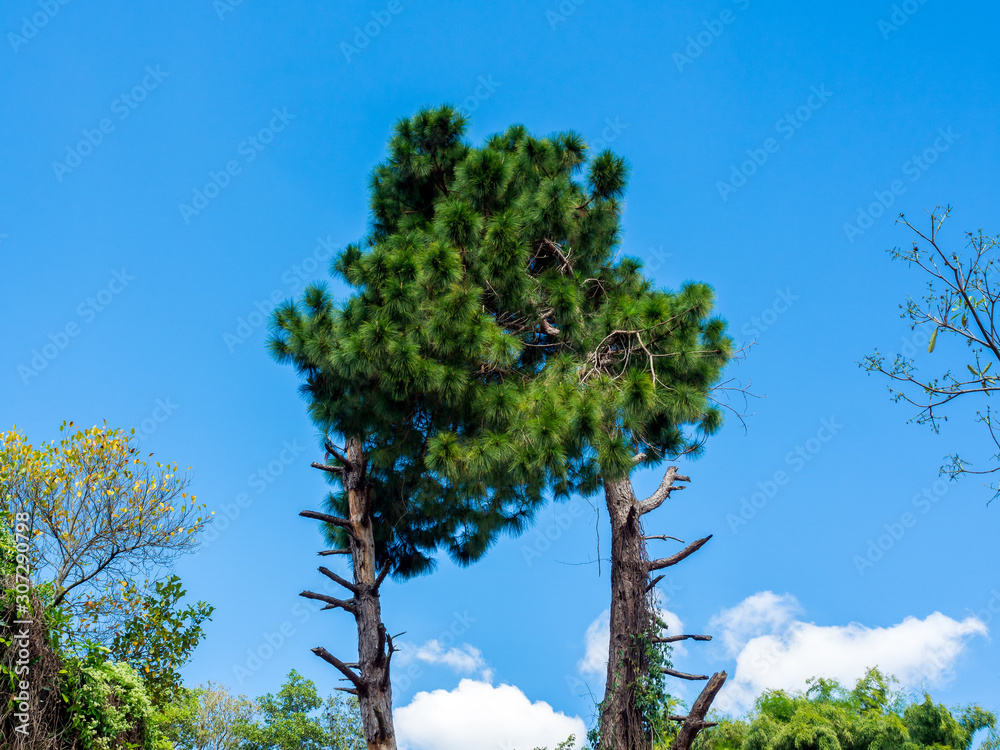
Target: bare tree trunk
<point>634,619</point>
<point>621,721</point>
<point>370,675</point>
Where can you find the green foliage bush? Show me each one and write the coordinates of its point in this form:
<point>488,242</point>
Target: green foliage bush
<point>872,716</point>
<point>108,704</point>
<point>78,698</point>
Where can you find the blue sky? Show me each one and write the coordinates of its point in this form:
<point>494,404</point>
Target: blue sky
<point>759,133</point>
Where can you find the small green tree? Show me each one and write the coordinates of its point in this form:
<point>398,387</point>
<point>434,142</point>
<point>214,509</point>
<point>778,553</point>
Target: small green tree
<point>342,722</point>
<point>293,720</point>
<point>161,637</point>
<point>960,305</point>
<point>287,720</point>
<point>208,717</point>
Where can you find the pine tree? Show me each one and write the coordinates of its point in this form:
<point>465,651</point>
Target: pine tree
<point>423,381</point>
<point>641,383</point>
<point>494,348</point>
<point>635,369</point>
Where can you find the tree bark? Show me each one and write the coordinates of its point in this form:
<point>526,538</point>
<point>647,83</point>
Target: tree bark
<point>634,617</point>
<point>370,678</point>
<point>620,721</point>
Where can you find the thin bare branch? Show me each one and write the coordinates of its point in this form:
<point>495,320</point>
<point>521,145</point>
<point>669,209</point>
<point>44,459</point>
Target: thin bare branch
<point>348,606</point>
<point>675,638</point>
<point>666,562</point>
<point>349,673</point>
<point>684,675</point>
<point>352,587</point>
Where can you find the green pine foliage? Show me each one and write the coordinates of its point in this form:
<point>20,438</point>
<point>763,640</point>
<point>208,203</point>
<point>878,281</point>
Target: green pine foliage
<point>432,358</point>
<point>872,716</point>
<point>493,346</point>
<point>645,387</point>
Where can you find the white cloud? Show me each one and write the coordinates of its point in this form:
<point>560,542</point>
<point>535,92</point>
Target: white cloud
<point>480,716</point>
<point>773,650</point>
<point>596,639</point>
<point>765,612</point>
<point>464,659</point>
<point>598,636</point>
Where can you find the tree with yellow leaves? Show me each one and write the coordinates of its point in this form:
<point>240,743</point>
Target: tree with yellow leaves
<point>98,516</point>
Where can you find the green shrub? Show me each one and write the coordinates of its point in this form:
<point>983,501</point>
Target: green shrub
<point>109,707</point>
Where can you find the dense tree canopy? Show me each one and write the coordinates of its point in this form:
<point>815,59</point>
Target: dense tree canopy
<point>464,290</point>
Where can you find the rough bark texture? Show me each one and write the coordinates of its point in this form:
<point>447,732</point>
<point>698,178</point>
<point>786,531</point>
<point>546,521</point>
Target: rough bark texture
<point>633,619</point>
<point>369,678</point>
<point>621,722</point>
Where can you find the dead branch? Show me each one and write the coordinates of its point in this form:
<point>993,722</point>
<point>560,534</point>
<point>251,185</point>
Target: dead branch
<point>694,722</point>
<point>675,638</point>
<point>349,673</point>
<point>655,500</point>
<point>353,588</point>
<point>348,606</point>
<point>666,562</point>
